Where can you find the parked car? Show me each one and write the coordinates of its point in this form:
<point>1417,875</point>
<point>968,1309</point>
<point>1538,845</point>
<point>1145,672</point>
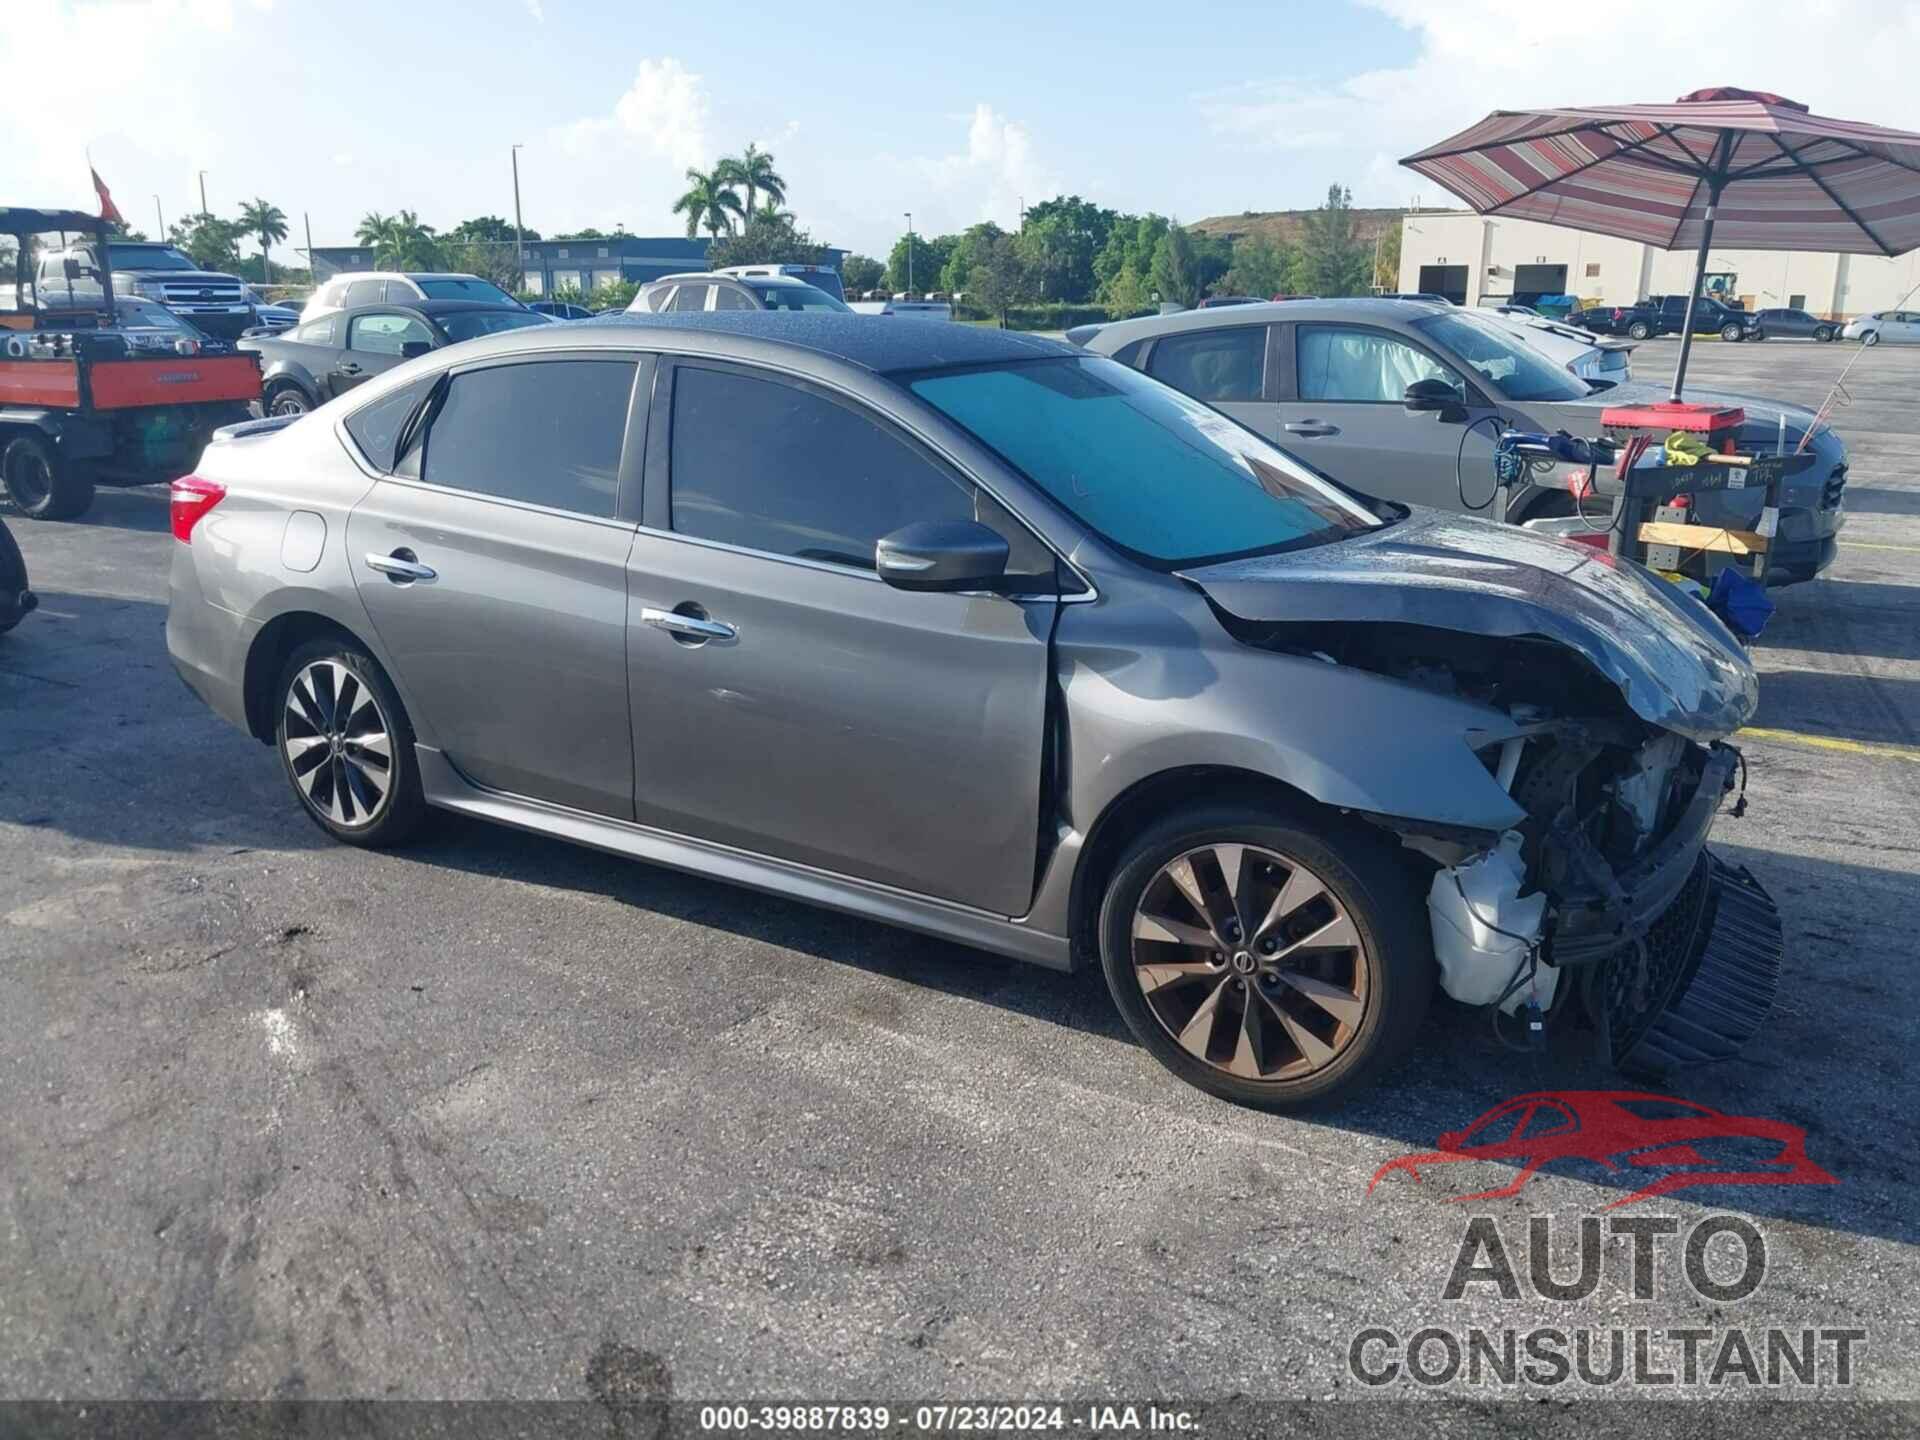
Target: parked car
<point>709,290</point>
<point>1430,296</point>
<point>1667,314</point>
<point>17,599</point>
<point>967,631</point>
<point>355,288</point>
<point>905,309</point>
<point>821,277</point>
<point>150,326</point>
<point>269,316</point>
<point>1329,379</point>
<point>325,357</point>
<point>560,310</point>
<point>1897,327</point>
<point>1600,319</point>
<point>1785,324</point>
<point>213,302</point>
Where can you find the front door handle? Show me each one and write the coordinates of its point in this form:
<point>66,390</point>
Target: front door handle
<point>400,567</point>
<point>347,367</point>
<point>687,627</point>
<point>1311,428</point>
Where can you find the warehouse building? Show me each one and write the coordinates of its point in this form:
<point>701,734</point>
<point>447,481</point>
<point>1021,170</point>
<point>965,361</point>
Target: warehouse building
<point>584,265</point>
<point>1475,259</point>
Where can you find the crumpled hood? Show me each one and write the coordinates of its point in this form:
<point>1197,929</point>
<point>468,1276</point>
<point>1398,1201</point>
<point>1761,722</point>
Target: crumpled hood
<point>1671,659</point>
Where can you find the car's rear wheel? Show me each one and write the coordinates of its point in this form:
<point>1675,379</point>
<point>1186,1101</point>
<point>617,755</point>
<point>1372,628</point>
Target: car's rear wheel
<point>1731,331</point>
<point>287,398</point>
<point>39,483</point>
<point>1269,960</point>
<point>1640,330</point>
<point>347,746</point>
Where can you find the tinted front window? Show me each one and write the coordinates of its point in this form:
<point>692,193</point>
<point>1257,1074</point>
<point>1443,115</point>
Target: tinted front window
<point>463,290</point>
<point>794,297</point>
<point>471,324</point>
<point>768,466</point>
<point>314,332</point>
<point>1156,473</point>
<point>547,432</point>
<point>690,297</point>
<point>1505,362</point>
<point>732,297</point>
<point>1214,365</point>
<point>366,292</point>
<point>376,428</point>
<point>1361,367</point>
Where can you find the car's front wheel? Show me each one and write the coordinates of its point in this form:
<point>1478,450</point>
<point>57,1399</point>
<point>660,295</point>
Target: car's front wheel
<point>1823,334</point>
<point>1266,959</point>
<point>1731,332</point>
<point>1872,337</point>
<point>347,746</point>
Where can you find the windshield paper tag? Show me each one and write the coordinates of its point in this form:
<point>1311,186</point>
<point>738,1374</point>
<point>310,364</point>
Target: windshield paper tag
<point>1769,521</point>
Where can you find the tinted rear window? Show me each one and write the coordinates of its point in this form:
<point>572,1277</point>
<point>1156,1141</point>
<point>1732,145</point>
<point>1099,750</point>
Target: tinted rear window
<point>376,428</point>
<point>462,290</point>
<point>547,432</point>
<point>471,324</point>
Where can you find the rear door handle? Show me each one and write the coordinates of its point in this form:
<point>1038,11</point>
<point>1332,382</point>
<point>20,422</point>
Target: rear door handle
<point>400,567</point>
<point>1311,428</point>
<point>347,367</point>
<point>690,627</point>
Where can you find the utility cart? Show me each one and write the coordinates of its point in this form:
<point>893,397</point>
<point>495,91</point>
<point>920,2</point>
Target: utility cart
<point>80,403</point>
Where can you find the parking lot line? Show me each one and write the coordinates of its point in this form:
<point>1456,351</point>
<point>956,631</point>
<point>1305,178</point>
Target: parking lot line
<point>1829,742</point>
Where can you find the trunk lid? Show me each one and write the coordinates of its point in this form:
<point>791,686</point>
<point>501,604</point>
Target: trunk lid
<point>1674,663</point>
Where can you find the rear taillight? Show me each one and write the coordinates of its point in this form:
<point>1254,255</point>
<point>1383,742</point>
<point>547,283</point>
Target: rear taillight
<point>192,498</point>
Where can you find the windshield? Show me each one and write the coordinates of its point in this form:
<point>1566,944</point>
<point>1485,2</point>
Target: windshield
<point>462,290</point>
<point>793,297</point>
<point>1506,362</point>
<point>470,324</point>
<point>145,314</point>
<point>1161,476</point>
<point>148,257</point>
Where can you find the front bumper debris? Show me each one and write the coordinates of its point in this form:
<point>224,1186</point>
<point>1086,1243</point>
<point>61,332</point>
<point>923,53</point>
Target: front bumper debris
<point>1699,985</point>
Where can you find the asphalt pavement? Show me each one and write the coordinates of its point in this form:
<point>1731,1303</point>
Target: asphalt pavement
<point>498,1117</point>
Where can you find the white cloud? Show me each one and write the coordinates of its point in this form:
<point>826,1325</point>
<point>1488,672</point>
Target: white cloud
<point>986,180</point>
<point>1842,57</point>
<point>664,114</point>
<point>537,10</point>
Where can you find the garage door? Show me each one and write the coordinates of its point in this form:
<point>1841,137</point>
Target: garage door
<point>1447,280</point>
<point>1530,282</point>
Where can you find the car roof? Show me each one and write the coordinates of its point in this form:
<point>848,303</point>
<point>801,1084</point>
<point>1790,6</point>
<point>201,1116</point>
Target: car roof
<point>401,275</point>
<point>429,308</point>
<point>1361,307</point>
<point>864,341</point>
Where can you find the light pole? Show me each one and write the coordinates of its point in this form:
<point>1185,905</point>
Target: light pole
<point>203,192</point>
<point>909,215</point>
<point>519,241</point>
<point>307,220</point>
<point>159,219</point>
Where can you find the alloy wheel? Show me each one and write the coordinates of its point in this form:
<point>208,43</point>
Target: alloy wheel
<point>29,479</point>
<point>1250,962</point>
<point>337,744</point>
<point>288,401</point>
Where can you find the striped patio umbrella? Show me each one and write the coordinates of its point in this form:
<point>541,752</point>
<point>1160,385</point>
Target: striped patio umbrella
<point>1752,169</point>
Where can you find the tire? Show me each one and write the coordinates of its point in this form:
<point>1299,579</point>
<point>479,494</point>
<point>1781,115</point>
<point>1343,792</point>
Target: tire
<point>1640,330</point>
<point>1872,337</point>
<point>343,793</point>
<point>285,398</point>
<point>1824,334</point>
<point>1732,333</point>
<point>1334,878</point>
<point>37,483</point>
<point>15,599</point>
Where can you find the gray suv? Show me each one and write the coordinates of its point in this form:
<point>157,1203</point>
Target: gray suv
<point>977,634</point>
<point>1329,381</point>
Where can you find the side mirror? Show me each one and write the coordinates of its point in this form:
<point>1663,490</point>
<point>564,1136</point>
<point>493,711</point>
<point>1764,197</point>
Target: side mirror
<point>1437,396</point>
<point>942,555</point>
<point>414,349</point>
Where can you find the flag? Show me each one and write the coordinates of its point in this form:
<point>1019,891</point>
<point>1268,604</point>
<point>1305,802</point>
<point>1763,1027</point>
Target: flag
<point>108,210</point>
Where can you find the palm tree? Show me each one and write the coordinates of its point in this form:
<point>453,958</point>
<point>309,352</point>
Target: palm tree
<point>269,222</point>
<point>772,213</point>
<point>379,233</point>
<point>753,169</point>
<point>709,203</point>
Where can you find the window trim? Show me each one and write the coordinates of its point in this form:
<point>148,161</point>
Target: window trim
<point>1474,396</point>
<point>633,440</point>
<point>656,517</point>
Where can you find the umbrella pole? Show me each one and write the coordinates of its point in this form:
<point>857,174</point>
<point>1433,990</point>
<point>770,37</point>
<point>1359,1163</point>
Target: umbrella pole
<point>1699,278</point>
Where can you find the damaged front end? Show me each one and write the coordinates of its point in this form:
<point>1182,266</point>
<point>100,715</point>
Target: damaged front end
<point>1600,891</point>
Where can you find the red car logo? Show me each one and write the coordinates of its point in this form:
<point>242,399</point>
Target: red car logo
<point>1691,1144</point>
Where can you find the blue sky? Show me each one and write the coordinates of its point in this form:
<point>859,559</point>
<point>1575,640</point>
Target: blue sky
<point>956,113</point>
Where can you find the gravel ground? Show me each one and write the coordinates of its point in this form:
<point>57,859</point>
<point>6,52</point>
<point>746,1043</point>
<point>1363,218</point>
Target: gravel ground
<point>497,1117</point>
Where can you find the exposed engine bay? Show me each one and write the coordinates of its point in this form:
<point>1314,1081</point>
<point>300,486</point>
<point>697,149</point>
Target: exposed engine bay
<point>1603,895</point>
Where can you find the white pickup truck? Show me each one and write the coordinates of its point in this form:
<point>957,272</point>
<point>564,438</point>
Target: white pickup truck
<point>217,304</point>
<point>916,309</point>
